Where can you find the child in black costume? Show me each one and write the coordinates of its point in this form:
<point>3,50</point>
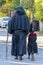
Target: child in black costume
<point>32,45</point>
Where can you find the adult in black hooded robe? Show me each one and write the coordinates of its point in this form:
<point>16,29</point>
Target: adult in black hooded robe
<point>19,27</point>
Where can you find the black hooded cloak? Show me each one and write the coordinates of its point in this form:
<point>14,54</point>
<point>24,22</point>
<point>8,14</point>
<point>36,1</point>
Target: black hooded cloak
<point>19,26</point>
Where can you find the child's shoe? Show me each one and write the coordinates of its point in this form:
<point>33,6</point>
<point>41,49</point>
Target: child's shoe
<point>32,57</point>
<point>28,57</point>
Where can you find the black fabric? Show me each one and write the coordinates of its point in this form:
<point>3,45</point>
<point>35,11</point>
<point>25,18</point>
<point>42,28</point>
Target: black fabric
<point>20,11</point>
<point>18,43</point>
<point>32,44</point>
<point>19,27</point>
<point>19,22</point>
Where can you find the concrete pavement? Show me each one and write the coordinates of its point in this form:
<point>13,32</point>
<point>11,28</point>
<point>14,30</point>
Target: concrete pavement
<point>11,61</point>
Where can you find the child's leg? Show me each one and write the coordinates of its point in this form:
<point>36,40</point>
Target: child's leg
<point>20,57</point>
<point>32,58</point>
<point>28,55</point>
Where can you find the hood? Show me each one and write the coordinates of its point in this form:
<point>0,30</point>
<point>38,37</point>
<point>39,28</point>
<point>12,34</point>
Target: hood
<point>20,11</point>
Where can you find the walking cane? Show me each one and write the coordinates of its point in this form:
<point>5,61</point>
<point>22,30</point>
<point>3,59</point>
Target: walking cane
<point>7,45</point>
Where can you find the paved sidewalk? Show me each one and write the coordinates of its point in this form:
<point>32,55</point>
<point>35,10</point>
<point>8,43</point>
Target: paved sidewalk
<point>11,61</point>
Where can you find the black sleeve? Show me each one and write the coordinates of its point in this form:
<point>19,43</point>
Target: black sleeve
<point>10,25</point>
